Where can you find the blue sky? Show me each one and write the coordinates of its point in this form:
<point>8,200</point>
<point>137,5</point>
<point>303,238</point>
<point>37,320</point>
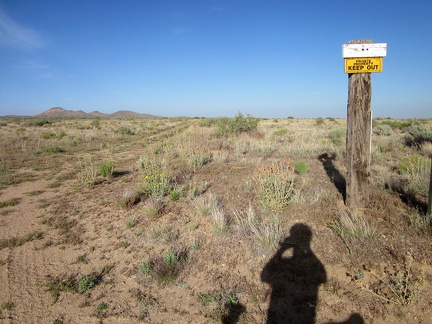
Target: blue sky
<point>210,58</point>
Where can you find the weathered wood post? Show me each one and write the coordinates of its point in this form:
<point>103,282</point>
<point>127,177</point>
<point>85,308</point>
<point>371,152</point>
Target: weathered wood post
<point>361,58</point>
<point>429,211</point>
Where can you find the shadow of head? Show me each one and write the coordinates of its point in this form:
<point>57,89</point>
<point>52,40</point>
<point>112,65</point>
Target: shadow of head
<point>300,235</point>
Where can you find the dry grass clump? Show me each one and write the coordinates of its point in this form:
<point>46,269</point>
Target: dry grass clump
<point>267,234</point>
<point>153,207</point>
<point>196,155</point>
<point>10,202</point>
<point>220,219</point>
<point>204,205</point>
<point>165,268</point>
<point>87,173</point>
<point>275,183</point>
<point>353,225</point>
<point>128,198</point>
<point>415,170</point>
<point>18,241</point>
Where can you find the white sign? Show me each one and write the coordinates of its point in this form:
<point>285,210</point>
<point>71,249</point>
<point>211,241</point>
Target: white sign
<point>364,50</point>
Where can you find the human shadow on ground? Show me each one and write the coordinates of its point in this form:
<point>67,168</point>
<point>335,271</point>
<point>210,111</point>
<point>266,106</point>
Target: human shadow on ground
<point>294,280</point>
<point>294,274</point>
<point>333,173</point>
<point>233,315</point>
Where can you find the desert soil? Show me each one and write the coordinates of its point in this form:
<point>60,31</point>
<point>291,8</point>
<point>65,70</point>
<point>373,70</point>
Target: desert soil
<point>348,280</point>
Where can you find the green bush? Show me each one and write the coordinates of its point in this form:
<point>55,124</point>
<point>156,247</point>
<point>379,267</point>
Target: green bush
<point>337,136</point>
<point>280,132</point>
<point>319,121</point>
<point>47,135</point>
<point>53,149</point>
<point>236,125</point>
<point>417,134</point>
<point>106,169</point>
<point>174,195</point>
<point>37,122</point>
<point>123,130</point>
<point>275,184</point>
<point>382,129</point>
<point>415,169</point>
<point>301,167</point>
<point>86,283</point>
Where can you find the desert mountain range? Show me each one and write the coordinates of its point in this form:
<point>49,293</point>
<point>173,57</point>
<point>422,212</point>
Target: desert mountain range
<point>59,112</point>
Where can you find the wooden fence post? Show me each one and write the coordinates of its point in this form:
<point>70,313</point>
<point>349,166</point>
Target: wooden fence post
<point>429,211</point>
<point>358,137</point>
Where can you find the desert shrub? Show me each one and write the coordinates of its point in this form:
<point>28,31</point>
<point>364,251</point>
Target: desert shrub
<point>154,182</point>
<point>166,268</point>
<point>95,123</point>
<point>129,197</point>
<point>106,169</point>
<point>153,207</point>
<point>241,124</point>
<point>195,155</point>
<point>280,132</point>
<point>196,189</point>
<point>87,173</point>
<point>144,268</point>
<point>416,171</point>
<point>355,226</point>
<point>37,122</point>
<point>131,223</point>
<point>319,121</point>
<point>73,283</point>
<point>236,125</point>
<point>337,136</point>
<point>53,149</point>
<point>397,124</point>
<point>86,283</point>
<point>417,135</point>
<point>301,167</point>
<point>123,130</point>
<point>267,235</point>
<point>418,220</point>
<point>401,287</point>
<point>275,183</point>
<point>220,219</point>
<point>58,284</point>
<point>61,134</point>
<point>174,195</point>
<point>205,204</point>
<point>382,129</point>
<point>47,135</point>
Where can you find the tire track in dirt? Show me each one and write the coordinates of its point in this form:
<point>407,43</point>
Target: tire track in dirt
<point>26,270</point>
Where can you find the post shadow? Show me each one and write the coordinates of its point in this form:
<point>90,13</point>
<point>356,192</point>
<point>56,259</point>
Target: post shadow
<point>333,173</point>
<point>294,280</point>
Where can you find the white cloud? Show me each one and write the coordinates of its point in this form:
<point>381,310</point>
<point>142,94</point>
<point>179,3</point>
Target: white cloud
<point>15,35</point>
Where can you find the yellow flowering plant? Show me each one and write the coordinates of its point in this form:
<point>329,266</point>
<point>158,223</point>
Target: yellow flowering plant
<point>154,182</point>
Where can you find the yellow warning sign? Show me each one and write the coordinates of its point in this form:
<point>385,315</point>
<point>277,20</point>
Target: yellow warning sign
<point>363,64</point>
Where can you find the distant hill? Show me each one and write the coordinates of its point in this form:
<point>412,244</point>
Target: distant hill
<point>61,113</point>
